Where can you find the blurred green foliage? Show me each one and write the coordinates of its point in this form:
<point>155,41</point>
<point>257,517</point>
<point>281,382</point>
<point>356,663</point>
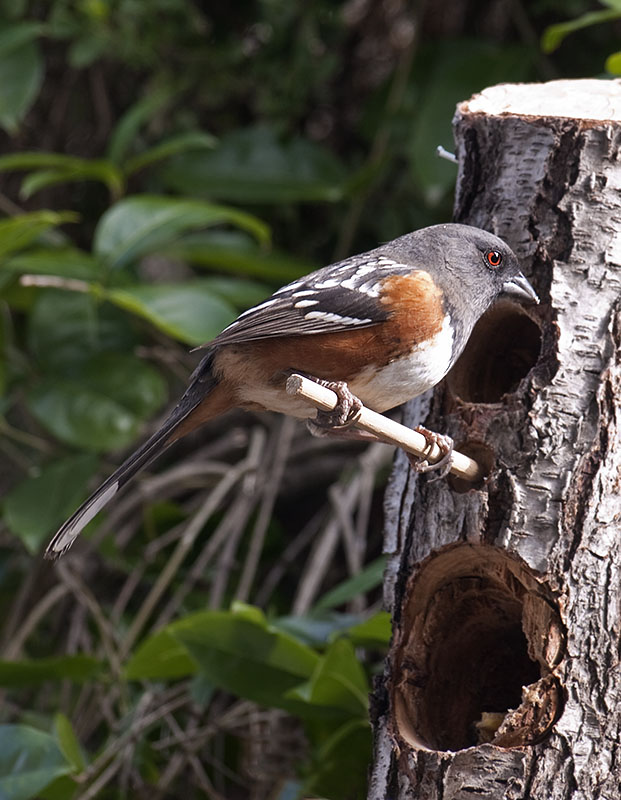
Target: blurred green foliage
<point>165,166</point>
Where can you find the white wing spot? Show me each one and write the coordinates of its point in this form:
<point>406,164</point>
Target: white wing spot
<point>305,303</point>
<point>370,289</point>
<point>331,283</point>
<point>290,287</point>
<point>326,316</point>
<point>349,283</point>
<point>253,309</point>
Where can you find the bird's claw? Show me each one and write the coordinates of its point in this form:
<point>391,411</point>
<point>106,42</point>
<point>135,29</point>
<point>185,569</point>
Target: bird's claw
<point>346,412</point>
<point>444,464</point>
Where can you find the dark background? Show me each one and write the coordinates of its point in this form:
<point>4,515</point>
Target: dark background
<point>164,165</point>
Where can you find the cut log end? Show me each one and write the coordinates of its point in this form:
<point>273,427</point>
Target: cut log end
<point>573,99</point>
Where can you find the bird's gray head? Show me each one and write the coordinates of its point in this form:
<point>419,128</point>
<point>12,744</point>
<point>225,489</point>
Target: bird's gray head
<point>472,267</point>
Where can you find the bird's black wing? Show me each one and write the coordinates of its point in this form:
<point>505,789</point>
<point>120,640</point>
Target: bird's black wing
<point>342,296</point>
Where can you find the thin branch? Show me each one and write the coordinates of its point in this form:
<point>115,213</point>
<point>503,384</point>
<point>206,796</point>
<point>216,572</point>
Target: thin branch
<point>219,537</point>
<point>346,523</point>
<point>233,529</point>
<point>326,542</point>
<point>42,608</point>
<point>386,430</point>
<point>55,282</point>
<point>287,427</point>
<point>167,702</point>
<point>289,555</point>
<point>83,595</point>
<point>192,530</point>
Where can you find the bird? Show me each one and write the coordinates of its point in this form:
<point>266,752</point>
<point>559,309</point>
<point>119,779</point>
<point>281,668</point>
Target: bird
<point>380,328</point>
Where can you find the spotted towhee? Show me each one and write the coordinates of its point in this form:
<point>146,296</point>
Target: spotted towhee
<point>389,323</point>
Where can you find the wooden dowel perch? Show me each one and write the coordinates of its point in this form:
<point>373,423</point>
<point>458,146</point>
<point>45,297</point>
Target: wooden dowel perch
<point>386,429</point>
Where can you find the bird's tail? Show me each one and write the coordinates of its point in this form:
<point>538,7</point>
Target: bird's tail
<point>202,383</point>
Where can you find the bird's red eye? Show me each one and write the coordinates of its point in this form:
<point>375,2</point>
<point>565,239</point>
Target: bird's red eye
<point>493,258</point>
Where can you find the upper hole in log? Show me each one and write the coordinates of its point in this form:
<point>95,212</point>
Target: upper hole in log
<point>504,346</point>
<point>483,455</point>
<point>473,659</point>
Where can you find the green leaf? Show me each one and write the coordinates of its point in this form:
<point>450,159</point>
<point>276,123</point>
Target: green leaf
<point>338,681</point>
<point>34,672</point>
<point>29,760</point>
<point>38,180</point>
<point>160,657</point>
<point>181,143</point>
<point>133,119</point>
<point>613,63</point>
<point>236,252</point>
<point>341,764</point>
<point>251,613</point>
<point>53,168</point>
<point>374,632</point>
<point>369,578</point>
<point>95,171</point>
<point>66,262</point>
<point>13,37</point>
<point>102,171</point>
<point>103,407</point>
<point>67,329</point>
<point>191,312</point>
<point>238,292</point>
<point>320,627</point>
<point>63,788</point>
<point>28,160</point>
<point>68,742</point>
<point>19,232</point>
<point>554,35</point>
<point>246,656</point>
<point>143,224</point>
<point>35,507</point>
<point>317,628</point>
<point>86,49</point>
<point>21,67</point>
<point>253,166</point>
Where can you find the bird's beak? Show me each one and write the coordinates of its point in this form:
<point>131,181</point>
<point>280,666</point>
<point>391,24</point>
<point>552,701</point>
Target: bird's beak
<point>519,286</point>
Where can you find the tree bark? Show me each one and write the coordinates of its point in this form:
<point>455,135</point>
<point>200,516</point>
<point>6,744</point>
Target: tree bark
<point>503,677</point>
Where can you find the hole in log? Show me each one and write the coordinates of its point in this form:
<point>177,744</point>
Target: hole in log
<point>504,346</point>
<point>483,455</point>
<point>473,659</point>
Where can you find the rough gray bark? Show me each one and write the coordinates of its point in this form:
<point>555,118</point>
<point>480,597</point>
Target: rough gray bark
<point>518,583</point>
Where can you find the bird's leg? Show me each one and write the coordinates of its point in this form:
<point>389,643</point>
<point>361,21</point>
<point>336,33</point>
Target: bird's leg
<point>344,414</point>
<point>445,443</point>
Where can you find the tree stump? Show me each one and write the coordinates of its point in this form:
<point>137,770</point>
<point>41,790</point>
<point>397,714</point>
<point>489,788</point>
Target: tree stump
<point>503,678</point>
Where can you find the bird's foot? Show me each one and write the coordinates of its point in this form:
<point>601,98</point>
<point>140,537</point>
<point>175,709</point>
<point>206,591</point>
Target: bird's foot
<point>346,412</point>
<point>443,466</point>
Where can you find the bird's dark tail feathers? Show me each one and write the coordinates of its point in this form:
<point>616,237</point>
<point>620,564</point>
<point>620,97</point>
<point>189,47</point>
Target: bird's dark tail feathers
<point>201,384</point>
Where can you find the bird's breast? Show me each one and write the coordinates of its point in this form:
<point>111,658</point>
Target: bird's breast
<point>408,375</point>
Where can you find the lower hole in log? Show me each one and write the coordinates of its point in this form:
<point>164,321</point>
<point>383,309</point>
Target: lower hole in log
<point>479,638</point>
<point>504,346</point>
